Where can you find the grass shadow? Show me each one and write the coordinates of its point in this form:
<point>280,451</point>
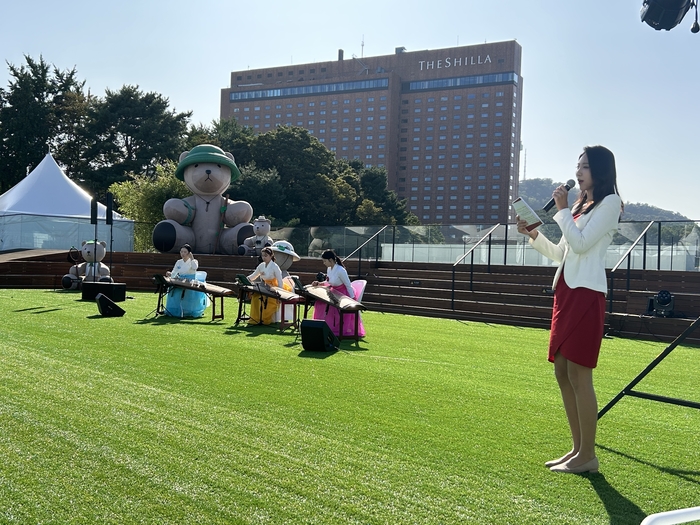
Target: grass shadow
<point>687,475</point>
<point>167,319</point>
<point>621,510</point>
<point>255,330</point>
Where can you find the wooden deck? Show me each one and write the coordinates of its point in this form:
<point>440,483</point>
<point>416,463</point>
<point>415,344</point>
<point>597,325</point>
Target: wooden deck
<point>514,295</point>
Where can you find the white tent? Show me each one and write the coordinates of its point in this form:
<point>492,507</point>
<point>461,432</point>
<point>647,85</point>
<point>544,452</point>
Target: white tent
<point>48,210</point>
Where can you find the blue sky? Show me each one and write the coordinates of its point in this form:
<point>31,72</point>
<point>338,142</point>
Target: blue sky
<point>593,73</point>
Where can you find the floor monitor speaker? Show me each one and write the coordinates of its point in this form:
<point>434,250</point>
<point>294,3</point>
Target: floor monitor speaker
<point>107,307</point>
<point>316,336</point>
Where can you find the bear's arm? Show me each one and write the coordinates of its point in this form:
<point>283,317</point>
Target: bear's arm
<point>237,212</point>
<point>181,211</point>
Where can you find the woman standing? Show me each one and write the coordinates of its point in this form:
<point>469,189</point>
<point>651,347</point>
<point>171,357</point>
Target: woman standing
<point>263,308</point>
<point>182,302</point>
<point>338,281</point>
<point>580,285</point>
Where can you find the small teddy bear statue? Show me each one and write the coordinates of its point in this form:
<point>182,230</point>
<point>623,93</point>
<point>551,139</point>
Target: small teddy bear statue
<point>254,245</point>
<point>92,270</point>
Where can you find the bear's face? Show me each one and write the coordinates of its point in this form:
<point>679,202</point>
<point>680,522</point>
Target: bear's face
<point>93,252</point>
<point>207,179</point>
<point>261,228</point>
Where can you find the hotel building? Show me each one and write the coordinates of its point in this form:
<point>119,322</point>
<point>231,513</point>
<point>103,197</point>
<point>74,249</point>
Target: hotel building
<point>444,123</point>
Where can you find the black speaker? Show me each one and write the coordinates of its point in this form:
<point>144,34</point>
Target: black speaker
<point>107,307</point>
<point>114,291</point>
<point>110,206</point>
<point>316,336</point>
<point>93,211</point>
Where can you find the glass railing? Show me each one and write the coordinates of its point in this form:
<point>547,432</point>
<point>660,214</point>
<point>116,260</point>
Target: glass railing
<point>667,245</point>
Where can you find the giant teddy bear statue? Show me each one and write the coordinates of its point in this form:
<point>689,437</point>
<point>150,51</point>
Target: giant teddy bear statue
<point>208,221</point>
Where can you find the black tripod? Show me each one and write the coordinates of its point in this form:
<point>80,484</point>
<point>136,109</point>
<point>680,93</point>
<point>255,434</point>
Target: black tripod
<point>627,391</point>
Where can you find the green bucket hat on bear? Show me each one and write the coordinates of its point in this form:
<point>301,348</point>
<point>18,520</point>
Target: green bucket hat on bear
<point>207,153</point>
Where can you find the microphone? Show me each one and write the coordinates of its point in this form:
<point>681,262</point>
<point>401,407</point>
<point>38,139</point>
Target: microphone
<point>569,184</point>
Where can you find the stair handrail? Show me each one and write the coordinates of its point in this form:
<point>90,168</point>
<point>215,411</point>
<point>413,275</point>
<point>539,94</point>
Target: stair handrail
<point>359,249</point>
<point>470,251</point>
<point>629,262</point>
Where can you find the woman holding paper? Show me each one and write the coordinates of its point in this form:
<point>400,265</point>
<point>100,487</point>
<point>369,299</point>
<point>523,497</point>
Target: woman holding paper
<point>580,285</point>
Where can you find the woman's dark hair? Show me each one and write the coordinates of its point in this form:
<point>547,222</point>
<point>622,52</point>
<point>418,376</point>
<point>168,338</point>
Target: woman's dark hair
<point>602,165</point>
<point>269,251</point>
<point>330,255</point>
<point>187,247</point>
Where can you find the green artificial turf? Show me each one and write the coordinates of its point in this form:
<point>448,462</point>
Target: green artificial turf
<point>156,420</point>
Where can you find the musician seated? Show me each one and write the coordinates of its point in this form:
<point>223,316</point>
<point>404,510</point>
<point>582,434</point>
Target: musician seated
<point>338,281</point>
<point>263,309</point>
<point>182,302</point>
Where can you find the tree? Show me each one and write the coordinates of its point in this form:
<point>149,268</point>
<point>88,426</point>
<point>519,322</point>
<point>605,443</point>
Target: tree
<point>234,138</point>
<point>42,109</point>
<point>386,207</point>
<point>305,167</point>
<point>131,132</point>
<point>261,188</point>
<point>142,197</point>
<point>228,135</point>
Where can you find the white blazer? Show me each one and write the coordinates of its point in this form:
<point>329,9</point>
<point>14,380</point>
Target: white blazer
<point>583,244</point>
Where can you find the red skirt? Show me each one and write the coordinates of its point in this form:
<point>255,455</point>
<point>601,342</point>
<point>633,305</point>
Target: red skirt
<point>578,318</point>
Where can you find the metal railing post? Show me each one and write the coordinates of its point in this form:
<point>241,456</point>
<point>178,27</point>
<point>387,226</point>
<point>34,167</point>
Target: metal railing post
<point>658,247</point>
